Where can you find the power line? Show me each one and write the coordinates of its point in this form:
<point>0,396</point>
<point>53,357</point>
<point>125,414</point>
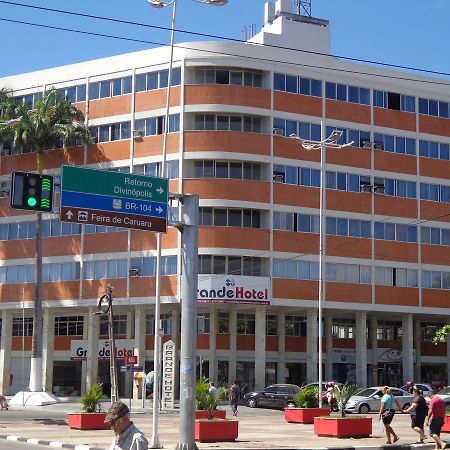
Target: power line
<point>226,38</point>
<point>222,53</point>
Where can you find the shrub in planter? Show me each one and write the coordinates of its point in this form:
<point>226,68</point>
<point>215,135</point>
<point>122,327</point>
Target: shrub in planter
<point>209,401</point>
<point>91,418</point>
<point>307,407</point>
<point>342,395</point>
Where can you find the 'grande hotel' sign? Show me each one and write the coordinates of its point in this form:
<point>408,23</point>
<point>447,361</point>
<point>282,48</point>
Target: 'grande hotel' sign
<point>233,289</point>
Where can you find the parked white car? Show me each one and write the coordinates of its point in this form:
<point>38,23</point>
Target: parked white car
<point>368,400</point>
<point>424,388</point>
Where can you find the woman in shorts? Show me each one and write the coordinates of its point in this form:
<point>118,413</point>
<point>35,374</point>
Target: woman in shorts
<point>387,413</point>
<point>418,411</point>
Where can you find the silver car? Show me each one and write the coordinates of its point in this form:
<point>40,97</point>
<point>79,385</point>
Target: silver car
<point>368,400</point>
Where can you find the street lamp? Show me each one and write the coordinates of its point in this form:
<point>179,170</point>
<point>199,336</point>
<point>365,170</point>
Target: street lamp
<point>184,426</point>
<point>307,144</point>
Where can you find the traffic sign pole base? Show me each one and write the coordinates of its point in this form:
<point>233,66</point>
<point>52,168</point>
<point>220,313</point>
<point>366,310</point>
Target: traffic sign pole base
<point>155,442</point>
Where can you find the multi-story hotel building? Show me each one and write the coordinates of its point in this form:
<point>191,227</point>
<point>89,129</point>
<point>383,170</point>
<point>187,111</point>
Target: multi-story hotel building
<point>233,107</point>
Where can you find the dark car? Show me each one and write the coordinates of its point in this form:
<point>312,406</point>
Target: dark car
<point>273,396</point>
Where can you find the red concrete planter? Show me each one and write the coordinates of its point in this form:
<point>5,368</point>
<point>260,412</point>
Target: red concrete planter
<point>216,430</point>
<point>343,427</point>
<point>217,414</point>
<point>446,427</point>
<point>88,421</point>
<point>304,415</point>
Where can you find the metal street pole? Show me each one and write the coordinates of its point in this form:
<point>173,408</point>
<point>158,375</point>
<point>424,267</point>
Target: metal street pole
<point>155,442</point>
<point>321,206</point>
<point>112,346</point>
<point>307,144</point>
<point>189,283</point>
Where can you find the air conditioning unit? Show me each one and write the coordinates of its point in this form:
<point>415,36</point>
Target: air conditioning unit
<point>138,134</point>
<point>378,188</point>
<point>133,272</point>
<point>363,187</point>
<point>278,177</point>
<point>367,144</point>
<point>278,131</point>
<point>378,146</point>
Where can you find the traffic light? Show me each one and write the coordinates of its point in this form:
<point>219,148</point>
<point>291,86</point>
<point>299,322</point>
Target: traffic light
<point>31,191</point>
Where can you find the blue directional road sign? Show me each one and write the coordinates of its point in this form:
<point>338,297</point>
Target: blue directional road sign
<point>100,197</point>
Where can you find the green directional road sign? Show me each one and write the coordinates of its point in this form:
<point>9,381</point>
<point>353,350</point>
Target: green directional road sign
<point>118,199</point>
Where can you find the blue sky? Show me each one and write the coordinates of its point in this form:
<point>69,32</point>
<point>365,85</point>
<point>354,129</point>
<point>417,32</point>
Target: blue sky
<point>408,33</point>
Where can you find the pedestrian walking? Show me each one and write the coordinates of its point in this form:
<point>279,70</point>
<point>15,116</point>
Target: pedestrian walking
<point>435,418</point>
<point>212,389</point>
<point>418,412</point>
<point>235,393</point>
<point>387,413</point>
<point>126,435</point>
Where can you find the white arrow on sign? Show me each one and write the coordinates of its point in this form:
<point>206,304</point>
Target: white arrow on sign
<point>69,214</point>
<point>160,190</point>
<point>159,209</point>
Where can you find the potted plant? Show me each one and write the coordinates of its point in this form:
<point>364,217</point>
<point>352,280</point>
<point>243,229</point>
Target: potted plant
<point>343,426</point>
<point>307,407</point>
<point>206,402</point>
<point>212,426</point>
<point>92,418</point>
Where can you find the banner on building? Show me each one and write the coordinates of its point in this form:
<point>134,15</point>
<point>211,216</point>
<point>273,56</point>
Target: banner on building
<point>79,349</point>
<point>344,355</point>
<point>168,379</point>
<point>233,289</point>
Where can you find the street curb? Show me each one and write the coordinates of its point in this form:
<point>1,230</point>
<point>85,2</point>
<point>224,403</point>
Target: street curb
<point>56,444</point>
<point>53,444</point>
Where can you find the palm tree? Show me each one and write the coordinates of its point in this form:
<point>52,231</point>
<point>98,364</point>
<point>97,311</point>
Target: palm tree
<point>53,123</point>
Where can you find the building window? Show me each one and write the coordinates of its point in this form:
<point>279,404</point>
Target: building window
<point>343,328</point>
<point>69,325</point>
<point>435,192</point>
<point>297,85</point>
<point>435,236</point>
<point>395,276</point>
<point>212,122</point>
<point>389,330</point>
<point>245,324</point>
<point>434,108</point>
<point>111,132</point>
<point>223,323</point>
<point>348,273</point>
<point>222,75</point>
<point>348,227</point>
<point>22,327</point>
<point>295,325</point>
<point>295,270</point>
<point>230,217</point>
<point>227,169</point>
<point>435,280</point>
<point>203,323</point>
<point>392,100</point>
<point>344,93</point>
<point>233,265</point>
<point>110,88</point>
<point>165,324</point>
<point>157,80</point>
<point>74,93</point>
<point>271,325</point>
<point>119,325</point>
<point>153,126</point>
<point>395,232</point>
<point>300,176</point>
<point>154,169</point>
<point>428,331</point>
<point>395,144</point>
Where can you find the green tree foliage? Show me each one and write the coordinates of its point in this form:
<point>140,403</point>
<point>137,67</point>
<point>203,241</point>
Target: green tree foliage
<point>90,401</point>
<point>343,394</point>
<point>208,401</point>
<point>307,398</point>
<point>441,334</point>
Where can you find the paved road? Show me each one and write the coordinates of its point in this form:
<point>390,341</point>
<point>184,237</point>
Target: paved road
<point>258,429</point>
<point>10,445</point>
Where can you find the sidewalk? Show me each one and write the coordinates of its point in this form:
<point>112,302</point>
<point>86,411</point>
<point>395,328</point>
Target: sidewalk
<point>258,429</point>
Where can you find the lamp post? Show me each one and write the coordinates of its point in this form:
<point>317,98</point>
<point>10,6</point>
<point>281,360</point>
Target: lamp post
<point>155,443</point>
<point>307,144</point>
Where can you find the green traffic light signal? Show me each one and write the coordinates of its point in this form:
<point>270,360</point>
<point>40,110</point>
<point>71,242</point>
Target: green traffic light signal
<point>31,191</point>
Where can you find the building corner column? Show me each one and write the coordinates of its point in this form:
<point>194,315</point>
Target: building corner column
<point>212,351</point>
<point>233,347</point>
<point>311,346</point>
<point>328,346</point>
<point>139,345</point>
<point>5,352</point>
<point>361,348</point>
<point>48,339</point>
<point>374,345</point>
<point>281,363</point>
<point>91,335</point>
<point>260,347</point>
<point>407,347</point>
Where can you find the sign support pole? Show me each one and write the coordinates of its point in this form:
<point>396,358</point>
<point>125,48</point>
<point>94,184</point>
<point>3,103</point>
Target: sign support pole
<point>189,283</point>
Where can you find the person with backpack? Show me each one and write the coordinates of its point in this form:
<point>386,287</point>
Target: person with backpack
<point>387,412</point>
<point>235,393</point>
<point>418,412</point>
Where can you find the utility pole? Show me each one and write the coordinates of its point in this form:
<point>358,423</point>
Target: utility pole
<point>105,306</point>
<point>189,283</point>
